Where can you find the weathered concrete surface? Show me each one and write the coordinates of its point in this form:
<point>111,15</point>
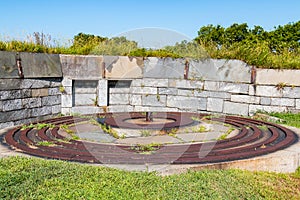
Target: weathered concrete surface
<point>120,108</point>
<point>265,101</point>
<point>254,108</point>
<point>215,105</point>
<point>85,110</point>
<point>220,70</point>
<point>82,67</point>
<point>85,92</point>
<point>84,99</point>
<point>182,102</point>
<point>268,91</point>
<point>5,151</point>
<point>168,91</point>
<point>154,100</point>
<point>187,84</point>
<point>274,77</point>
<point>245,99</point>
<point>135,100</point>
<point>297,103</point>
<point>151,82</point>
<point>123,67</point>
<point>164,68</point>
<point>291,92</point>
<point>143,90</point>
<point>8,65</point>
<point>38,65</point>
<point>102,92</point>
<point>118,99</point>
<point>236,108</point>
<point>282,102</point>
<point>240,88</point>
<point>148,140</point>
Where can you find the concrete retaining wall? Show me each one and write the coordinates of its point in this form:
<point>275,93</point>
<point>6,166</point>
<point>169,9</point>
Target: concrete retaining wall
<point>165,84</point>
<point>92,84</point>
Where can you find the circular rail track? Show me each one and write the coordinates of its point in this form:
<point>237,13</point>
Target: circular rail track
<point>255,138</point>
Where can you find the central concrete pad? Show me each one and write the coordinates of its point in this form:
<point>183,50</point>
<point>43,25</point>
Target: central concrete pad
<point>199,132</point>
<point>91,132</point>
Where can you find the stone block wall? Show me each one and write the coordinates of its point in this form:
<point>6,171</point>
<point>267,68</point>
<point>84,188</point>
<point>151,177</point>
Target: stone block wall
<point>166,84</point>
<point>28,100</point>
<point>205,96</point>
<point>35,95</point>
<point>92,84</point>
<point>215,86</point>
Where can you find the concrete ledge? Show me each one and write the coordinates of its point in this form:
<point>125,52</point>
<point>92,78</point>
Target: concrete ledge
<point>164,68</point>
<point>220,70</point>
<point>82,67</point>
<point>274,77</point>
<point>38,65</point>
<point>123,67</point>
<point>86,110</point>
<point>8,65</point>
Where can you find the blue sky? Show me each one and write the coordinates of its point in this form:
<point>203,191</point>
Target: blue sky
<point>63,19</point>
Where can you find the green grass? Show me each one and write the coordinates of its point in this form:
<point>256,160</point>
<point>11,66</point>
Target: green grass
<point>290,119</point>
<point>145,133</point>
<point>31,178</point>
<point>109,130</point>
<point>224,136</point>
<point>46,143</point>
<point>38,126</point>
<point>145,148</point>
<point>199,129</point>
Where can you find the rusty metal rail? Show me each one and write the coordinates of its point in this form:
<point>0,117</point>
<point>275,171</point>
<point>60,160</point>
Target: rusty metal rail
<point>251,141</point>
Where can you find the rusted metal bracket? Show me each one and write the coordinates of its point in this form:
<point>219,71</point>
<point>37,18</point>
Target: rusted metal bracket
<point>253,78</point>
<point>19,65</point>
<point>103,69</point>
<point>186,69</point>
<point>253,74</point>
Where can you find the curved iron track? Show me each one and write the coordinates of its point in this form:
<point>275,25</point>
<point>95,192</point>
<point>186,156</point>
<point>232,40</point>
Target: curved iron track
<point>251,141</point>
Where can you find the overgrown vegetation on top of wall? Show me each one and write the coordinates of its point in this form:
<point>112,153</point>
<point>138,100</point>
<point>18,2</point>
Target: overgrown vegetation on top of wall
<point>279,48</point>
